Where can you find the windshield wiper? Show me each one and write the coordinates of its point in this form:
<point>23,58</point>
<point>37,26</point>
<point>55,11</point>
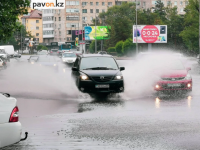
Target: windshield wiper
<point>99,68</point>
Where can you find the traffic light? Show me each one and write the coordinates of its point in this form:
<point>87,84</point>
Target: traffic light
<point>76,41</point>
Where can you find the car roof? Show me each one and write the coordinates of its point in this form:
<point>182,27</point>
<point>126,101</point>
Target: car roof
<point>95,55</point>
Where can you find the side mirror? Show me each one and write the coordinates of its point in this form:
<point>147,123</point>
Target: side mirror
<point>188,68</point>
<point>74,69</point>
<point>122,68</point>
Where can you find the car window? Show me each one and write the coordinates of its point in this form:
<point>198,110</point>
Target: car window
<point>93,62</point>
<point>54,50</point>
<point>69,55</point>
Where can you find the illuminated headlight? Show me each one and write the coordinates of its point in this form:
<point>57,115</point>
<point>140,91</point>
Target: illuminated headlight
<point>188,77</point>
<point>84,77</point>
<point>118,77</point>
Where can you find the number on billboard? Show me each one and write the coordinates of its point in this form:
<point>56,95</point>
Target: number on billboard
<point>148,32</point>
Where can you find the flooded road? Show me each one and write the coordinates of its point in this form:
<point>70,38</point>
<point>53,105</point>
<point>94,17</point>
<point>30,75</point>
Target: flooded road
<point>57,116</point>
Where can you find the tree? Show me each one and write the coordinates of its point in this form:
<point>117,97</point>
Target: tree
<point>17,37</point>
<point>129,47</point>
<point>118,47</point>
<point>10,10</point>
<point>173,23</point>
<point>190,34</point>
<point>160,9</point>
<point>41,47</point>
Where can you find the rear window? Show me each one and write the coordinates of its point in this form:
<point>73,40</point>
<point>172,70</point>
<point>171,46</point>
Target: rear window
<point>69,55</point>
<point>54,50</point>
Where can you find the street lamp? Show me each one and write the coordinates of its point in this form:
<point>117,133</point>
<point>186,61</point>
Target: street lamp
<point>95,31</point>
<point>136,26</point>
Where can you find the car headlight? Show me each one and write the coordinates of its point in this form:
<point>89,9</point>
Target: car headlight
<point>84,77</point>
<point>119,77</point>
<point>188,77</point>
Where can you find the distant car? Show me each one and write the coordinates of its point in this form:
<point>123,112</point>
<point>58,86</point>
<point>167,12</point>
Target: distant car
<point>4,55</point>
<point>173,76</point>
<point>102,52</point>
<point>10,127</point>
<point>69,57</point>
<point>95,73</point>
<point>17,55</point>
<point>32,59</point>
<point>54,52</point>
<point>3,63</point>
<point>42,52</point>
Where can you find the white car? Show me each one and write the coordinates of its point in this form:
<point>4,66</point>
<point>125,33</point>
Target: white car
<point>10,127</point>
<point>68,57</point>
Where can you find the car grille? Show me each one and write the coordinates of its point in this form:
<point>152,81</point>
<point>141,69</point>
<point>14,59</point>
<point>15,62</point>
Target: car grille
<point>173,79</point>
<point>164,86</point>
<point>105,79</point>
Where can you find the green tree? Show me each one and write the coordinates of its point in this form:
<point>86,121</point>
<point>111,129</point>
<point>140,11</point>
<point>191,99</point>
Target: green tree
<point>174,25</point>
<point>118,47</point>
<point>160,9</point>
<point>17,37</point>
<point>10,10</point>
<point>129,47</point>
<point>190,34</point>
<point>111,49</point>
<point>42,47</point>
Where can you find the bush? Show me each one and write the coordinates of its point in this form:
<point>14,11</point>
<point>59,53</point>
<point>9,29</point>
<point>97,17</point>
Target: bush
<point>118,47</point>
<point>42,47</point>
<point>129,47</point>
<point>111,49</point>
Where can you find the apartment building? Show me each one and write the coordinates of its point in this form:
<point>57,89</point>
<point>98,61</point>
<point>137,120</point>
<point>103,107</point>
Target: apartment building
<point>33,23</point>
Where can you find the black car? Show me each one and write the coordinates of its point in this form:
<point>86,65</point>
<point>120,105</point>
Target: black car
<point>96,73</point>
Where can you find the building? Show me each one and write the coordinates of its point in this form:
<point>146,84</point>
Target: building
<point>59,24</point>
<point>33,23</point>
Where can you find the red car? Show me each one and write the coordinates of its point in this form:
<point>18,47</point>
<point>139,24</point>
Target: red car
<point>173,76</point>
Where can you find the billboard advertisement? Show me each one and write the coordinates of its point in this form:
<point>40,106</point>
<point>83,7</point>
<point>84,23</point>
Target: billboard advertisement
<point>78,33</point>
<point>150,34</point>
<point>102,32</point>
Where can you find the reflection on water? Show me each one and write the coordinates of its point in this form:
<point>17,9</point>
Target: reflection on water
<point>95,105</point>
<point>157,102</point>
<point>189,98</point>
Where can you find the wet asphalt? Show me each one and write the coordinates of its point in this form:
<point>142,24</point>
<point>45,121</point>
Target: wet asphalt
<point>57,116</point>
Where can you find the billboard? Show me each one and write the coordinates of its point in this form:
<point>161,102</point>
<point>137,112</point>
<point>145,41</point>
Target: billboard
<point>150,34</point>
<point>78,33</point>
<point>102,32</point>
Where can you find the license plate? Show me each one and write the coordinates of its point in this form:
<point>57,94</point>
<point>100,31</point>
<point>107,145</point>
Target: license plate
<point>102,86</point>
<point>174,85</point>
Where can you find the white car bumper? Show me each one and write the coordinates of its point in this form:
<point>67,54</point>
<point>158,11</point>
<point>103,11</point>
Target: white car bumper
<point>10,133</point>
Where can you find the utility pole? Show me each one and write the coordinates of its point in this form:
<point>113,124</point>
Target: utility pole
<point>199,28</point>
<point>95,31</point>
<point>21,38</point>
<point>136,27</point>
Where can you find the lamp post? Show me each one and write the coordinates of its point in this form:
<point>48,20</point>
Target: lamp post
<point>136,26</point>
<point>95,31</point>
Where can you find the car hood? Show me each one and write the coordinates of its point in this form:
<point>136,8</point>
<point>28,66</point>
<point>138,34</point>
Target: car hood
<point>100,72</point>
<point>173,73</point>
<point>6,107</point>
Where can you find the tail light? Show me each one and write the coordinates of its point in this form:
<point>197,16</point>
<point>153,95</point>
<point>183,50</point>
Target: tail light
<point>57,52</point>
<point>14,117</point>
<point>51,52</point>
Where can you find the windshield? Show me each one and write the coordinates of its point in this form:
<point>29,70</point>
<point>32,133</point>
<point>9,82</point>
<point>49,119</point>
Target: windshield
<point>69,55</point>
<point>98,63</point>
